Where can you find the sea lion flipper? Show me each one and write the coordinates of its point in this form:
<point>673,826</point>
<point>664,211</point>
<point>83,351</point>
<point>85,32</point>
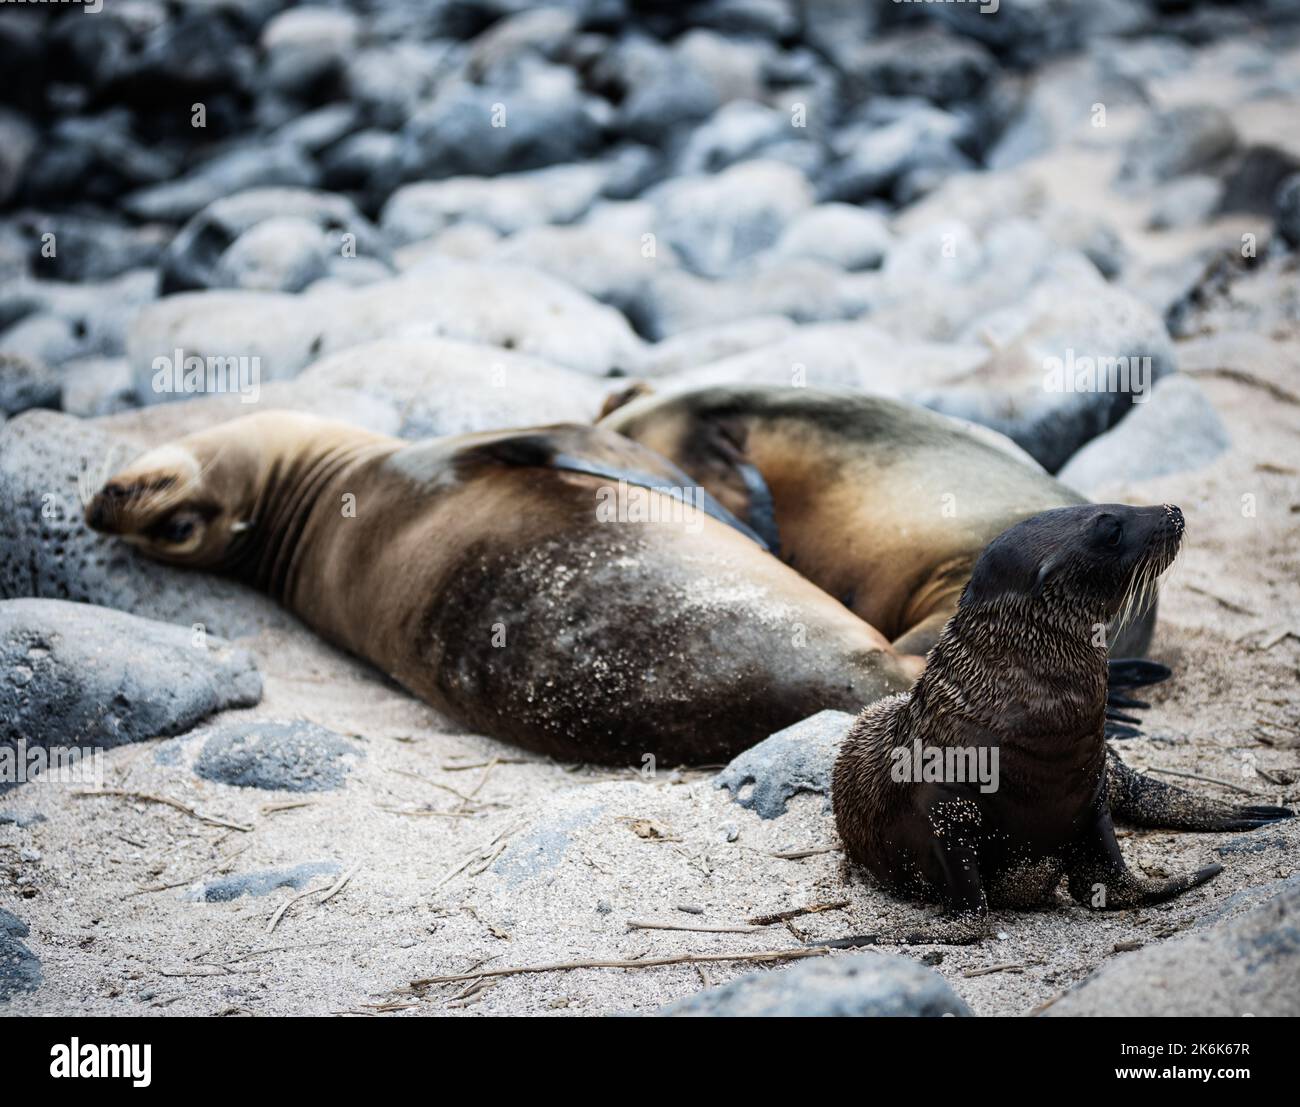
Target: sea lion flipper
<point>1134,672</point>
<point>1098,877</point>
<point>1142,800</point>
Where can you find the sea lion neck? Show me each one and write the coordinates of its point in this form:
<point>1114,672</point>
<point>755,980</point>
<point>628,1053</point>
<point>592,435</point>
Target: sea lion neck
<point>1014,667</point>
<point>304,475</point>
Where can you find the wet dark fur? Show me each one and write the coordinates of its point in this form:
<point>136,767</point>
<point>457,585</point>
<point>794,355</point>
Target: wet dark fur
<point>1020,669</point>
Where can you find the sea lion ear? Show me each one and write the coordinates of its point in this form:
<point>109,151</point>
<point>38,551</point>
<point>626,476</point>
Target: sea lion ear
<point>622,398</point>
<point>1046,571</point>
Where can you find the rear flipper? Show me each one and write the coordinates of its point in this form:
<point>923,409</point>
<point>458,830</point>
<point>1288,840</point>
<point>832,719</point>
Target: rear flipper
<point>1145,801</point>
<point>947,930</point>
<point>1123,674</point>
<point>1099,878</point>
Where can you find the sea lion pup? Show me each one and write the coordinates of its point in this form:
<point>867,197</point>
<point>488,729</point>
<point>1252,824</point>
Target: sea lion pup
<point>1018,682</point>
<point>480,573</point>
<point>884,505</point>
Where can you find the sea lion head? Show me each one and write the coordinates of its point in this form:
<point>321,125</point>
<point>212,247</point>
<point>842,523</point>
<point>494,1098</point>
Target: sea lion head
<point>185,503</point>
<point>1094,562</point>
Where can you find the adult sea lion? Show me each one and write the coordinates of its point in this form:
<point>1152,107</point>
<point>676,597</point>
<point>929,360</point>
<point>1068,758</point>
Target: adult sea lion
<point>479,572</point>
<point>883,504</point>
<point>1017,680</point>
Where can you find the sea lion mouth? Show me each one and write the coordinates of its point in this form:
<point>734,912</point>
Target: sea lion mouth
<point>1157,557</point>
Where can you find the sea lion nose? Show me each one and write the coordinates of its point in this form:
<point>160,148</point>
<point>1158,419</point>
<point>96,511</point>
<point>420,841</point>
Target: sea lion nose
<point>1175,516</point>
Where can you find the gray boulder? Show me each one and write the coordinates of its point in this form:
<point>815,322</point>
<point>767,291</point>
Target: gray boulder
<point>1181,140</point>
<point>78,675</point>
<point>714,222</point>
<point>1070,360</point>
<point>283,254</point>
<point>1175,430</point>
<point>483,131</point>
<point>194,257</point>
<point>1186,202</point>
<point>797,759</point>
<point>508,203</point>
<point>860,985</point>
<point>50,464</point>
<point>20,971</point>
<point>446,387</point>
<point>274,164</point>
<point>928,63</point>
<point>281,755</point>
<point>306,46</point>
<point>25,383</point>
<point>845,235</point>
<point>1248,965</point>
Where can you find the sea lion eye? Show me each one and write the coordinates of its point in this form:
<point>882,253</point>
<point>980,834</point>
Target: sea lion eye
<point>1109,530</point>
<point>177,528</point>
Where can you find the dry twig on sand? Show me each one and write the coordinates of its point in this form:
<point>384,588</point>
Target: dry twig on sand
<point>149,797</point>
<point>681,959</point>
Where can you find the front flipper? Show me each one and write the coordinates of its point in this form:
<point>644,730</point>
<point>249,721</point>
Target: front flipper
<point>1099,878</point>
<point>1145,801</point>
<point>950,868</point>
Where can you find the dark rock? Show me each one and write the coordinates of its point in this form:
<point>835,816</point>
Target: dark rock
<point>775,19</point>
<point>87,249</point>
<point>367,165</point>
<point>94,158</point>
<point>223,889</point>
<point>20,970</point>
<point>479,131</point>
<point>1251,182</point>
<point>1181,140</point>
<point>928,63</point>
<point>1286,207</point>
<point>1247,965</point>
<point>859,985</point>
<point>797,759</point>
<point>1029,32</point>
<point>282,755</point>
<point>50,465</point>
<point>78,675</point>
<point>1252,843</point>
<point>1176,429</point>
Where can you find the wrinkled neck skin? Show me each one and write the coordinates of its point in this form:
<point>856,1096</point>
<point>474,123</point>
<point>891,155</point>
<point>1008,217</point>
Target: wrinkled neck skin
<point>303,480</point>
<point>1020,673</point>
